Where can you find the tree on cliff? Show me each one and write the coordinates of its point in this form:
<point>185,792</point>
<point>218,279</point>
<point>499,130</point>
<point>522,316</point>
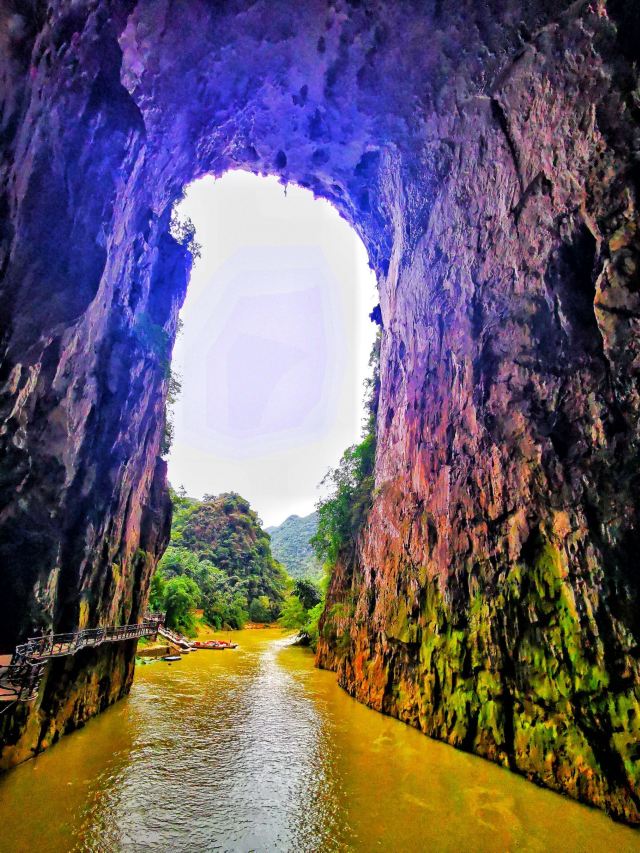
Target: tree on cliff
<point>343,512</point>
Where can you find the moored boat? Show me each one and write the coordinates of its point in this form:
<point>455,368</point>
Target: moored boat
<point>215,645</point>
<point>209,644</point>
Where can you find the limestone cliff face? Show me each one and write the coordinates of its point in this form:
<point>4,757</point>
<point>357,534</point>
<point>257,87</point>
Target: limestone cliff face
<point>493,600</point>
<point>83,509</point>
<point>488,155</point>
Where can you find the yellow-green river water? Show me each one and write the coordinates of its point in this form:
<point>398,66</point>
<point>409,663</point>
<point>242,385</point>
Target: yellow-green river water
<point>255,749</point>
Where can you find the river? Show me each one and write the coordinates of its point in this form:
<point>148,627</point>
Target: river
<point>255,749</point>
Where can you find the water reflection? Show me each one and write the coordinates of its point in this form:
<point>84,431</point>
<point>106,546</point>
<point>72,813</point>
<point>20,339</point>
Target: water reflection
<point>257,750</point>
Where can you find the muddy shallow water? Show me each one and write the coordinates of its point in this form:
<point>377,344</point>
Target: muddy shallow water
<point>255,749</point>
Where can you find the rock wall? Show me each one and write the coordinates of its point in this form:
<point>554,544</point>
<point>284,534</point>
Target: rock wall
<point>84,511</point>
<point>493,601</point>
<point>488,156</point>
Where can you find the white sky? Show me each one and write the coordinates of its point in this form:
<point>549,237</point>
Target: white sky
<point>275,345</point>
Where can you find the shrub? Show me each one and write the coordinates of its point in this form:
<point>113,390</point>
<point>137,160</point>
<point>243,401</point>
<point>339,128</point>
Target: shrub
<point>310,629</point>
<point>173,392</point>
<point>183,232</point>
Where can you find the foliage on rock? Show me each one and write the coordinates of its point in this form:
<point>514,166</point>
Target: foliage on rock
<point>183,232</point>
<point>343,512</point>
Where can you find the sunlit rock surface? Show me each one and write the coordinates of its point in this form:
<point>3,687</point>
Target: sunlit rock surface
<point>488,156</point>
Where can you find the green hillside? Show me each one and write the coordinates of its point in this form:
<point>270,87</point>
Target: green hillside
<point>220,559</point>
<point>290,545</point>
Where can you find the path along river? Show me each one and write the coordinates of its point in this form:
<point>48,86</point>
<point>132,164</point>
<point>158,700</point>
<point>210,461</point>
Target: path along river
<point>257,750</point>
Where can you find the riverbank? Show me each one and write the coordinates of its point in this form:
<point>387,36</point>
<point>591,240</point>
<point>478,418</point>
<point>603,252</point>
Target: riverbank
<point>256,749</point>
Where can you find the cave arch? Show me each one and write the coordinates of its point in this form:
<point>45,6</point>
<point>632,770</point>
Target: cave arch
<point>477,149</point>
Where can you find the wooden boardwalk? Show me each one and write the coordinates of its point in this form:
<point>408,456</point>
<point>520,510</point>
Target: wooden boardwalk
<point>175,638</point>
<point>21,672</point>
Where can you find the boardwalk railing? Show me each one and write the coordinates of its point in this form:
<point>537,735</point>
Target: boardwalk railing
<point>19,682</point>
<point>21,677</point>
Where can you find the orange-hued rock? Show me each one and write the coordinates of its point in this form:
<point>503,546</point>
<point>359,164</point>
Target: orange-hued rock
<point>487,153</point>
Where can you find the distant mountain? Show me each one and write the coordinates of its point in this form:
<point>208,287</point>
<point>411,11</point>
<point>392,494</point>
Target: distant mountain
<point>290,545</point>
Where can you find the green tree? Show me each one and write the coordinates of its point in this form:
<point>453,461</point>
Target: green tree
<point>259,609</point>
<point>341,515</point>
<point>181,598</point>
<point>294,614</point>
<point>238,611</point>
<point>307,592</point>
<point>310,629</point>
<point>178,561</point>
<point>157,591</point>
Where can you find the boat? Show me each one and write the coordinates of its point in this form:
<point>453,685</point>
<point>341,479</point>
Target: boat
<point>171,657</point>
<point>217,645</point>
